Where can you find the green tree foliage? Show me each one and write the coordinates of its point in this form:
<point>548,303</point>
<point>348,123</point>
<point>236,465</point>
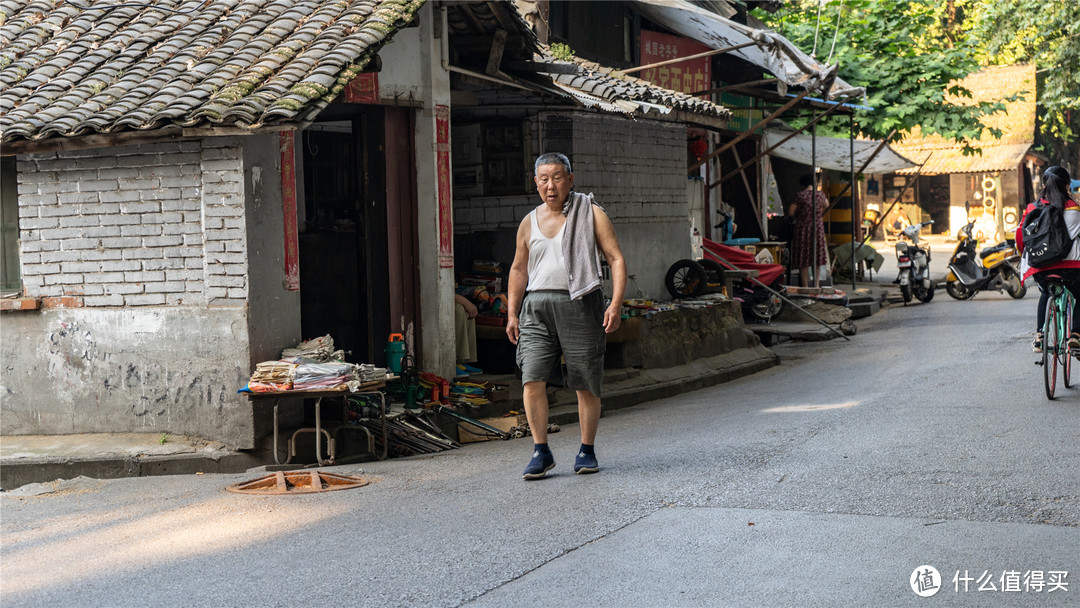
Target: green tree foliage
<point>1046,32</point>
<point>907,53</point>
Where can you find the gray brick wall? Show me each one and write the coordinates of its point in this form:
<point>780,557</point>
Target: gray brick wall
<point>636,169</point>
<point>141,225</point>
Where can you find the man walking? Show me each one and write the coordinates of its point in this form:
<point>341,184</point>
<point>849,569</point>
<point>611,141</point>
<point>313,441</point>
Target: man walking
<point>557,263</point>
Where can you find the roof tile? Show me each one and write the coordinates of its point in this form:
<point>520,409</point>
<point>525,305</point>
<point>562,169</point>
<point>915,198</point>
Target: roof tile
<point>67,71</point>
<point>618,89</point>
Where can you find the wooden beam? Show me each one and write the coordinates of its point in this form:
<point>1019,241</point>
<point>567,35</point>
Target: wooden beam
<point>503,21</point>
<point>96,140</point>
<point>130,138</point>
<point>732,87</point>
<point>474,23</point>
<point>866,164</point>
<point>734,172</point>
<point>910,183</point>
<point>754,199</point>
<point>543,67</point>
<point>687,58</point>
<point>749,131</point>
<point>498,44</point>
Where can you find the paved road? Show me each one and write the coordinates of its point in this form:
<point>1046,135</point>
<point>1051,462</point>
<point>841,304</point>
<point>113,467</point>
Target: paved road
<point>941,250</point>
<point>826,481</point>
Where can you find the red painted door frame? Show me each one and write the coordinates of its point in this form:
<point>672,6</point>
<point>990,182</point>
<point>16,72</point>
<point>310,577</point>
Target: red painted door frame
<point>401,223</point>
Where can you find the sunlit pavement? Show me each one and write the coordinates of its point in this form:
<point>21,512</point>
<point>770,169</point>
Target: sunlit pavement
<point>829,480</point>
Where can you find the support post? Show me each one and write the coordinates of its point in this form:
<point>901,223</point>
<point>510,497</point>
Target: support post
<point>813,205</point>
<point>851,156</point>
<point>717,152</point>
<point>734,172</point>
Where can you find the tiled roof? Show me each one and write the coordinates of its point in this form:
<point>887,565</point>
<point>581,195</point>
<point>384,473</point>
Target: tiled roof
<point>949,160</point>
<point>1017,124</point>
<point>632,94</point>
<point>594,85</point>
<point>68,71</point>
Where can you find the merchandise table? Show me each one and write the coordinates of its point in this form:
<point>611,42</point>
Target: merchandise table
<point>369,388</point>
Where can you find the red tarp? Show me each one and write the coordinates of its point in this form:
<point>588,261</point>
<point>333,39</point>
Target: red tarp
<point>735,258</point>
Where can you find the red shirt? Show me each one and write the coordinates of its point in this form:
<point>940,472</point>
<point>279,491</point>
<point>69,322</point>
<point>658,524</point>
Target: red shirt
<point>1069,205</point>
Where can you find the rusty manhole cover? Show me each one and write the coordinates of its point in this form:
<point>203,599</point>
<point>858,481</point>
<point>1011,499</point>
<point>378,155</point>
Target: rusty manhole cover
<point>297,482</point>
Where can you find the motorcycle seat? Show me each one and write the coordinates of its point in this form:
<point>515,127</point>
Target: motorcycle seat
<point>992,250</point>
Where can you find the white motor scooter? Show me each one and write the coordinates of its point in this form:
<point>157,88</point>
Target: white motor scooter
<point>913,263</point>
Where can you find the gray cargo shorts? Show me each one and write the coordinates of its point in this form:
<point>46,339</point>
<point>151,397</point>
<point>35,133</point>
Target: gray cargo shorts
<point>551,325</point>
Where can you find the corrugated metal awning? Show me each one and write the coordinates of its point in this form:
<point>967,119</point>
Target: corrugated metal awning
<point>772,52</point>
<point>942,161</point>
<point>834,153</point>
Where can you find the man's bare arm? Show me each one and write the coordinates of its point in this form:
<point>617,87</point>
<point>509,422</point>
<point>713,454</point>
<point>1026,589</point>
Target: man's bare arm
<point>519,279</point>
<point>609,246</point>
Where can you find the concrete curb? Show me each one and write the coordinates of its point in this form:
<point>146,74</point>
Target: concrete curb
<point>657,384</point>
<point>35,459</point>
<point>19,472</point>
<point>183,456</point>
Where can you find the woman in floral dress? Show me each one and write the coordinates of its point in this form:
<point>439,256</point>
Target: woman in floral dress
<point>807,210</point>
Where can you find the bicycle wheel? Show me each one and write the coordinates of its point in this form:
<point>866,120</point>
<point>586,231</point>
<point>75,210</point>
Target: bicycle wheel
<point>1050,348</point>
<point>1066,330</point>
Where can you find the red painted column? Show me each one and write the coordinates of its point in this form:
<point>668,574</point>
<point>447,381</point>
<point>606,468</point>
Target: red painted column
<point>286,143</point>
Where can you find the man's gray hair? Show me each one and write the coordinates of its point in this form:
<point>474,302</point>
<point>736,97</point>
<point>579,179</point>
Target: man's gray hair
<point>552,158</point>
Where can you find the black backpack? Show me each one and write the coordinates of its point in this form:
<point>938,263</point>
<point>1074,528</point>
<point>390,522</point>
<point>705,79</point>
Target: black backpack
<point>1046,237</point>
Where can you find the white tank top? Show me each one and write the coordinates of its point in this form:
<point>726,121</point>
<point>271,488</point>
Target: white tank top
<point>547,268</point>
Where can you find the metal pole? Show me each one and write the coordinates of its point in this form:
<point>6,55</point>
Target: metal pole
<point>723,261</point>
<point>735,172</point>
<point>874,228</point>
<point>852,189</point>
<point>717,152</point>
<point>813,204</point>
<point>862,169</point>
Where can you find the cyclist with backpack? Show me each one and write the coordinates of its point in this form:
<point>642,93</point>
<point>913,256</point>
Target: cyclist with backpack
<point>1047,242</point>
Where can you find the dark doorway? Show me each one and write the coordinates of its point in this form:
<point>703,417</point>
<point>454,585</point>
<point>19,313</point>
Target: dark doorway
<point>934,200</point>
<point>740,191</point>
<point>343,243</point>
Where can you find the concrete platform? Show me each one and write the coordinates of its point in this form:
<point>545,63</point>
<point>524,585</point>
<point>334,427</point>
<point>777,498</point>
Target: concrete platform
<point>26,459</point>
<point>44,458</point>
<point>775,331</point>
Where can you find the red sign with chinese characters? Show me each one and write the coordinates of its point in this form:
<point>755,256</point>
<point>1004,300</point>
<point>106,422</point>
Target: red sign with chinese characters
<point>686,76</point>
<point>363,89</point>
<point>286,146</point>
<point>446,206</point>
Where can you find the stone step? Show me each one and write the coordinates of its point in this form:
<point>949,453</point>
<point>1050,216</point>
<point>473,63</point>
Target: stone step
<point>860,310</point>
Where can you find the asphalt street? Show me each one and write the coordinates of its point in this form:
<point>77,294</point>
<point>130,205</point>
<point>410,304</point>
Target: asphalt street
<point>826,481</point>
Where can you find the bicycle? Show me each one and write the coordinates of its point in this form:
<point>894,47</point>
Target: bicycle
<point>1055,348</point>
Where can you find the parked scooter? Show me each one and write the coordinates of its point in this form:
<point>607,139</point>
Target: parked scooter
<point>913,263</point>
<point>994,268</point>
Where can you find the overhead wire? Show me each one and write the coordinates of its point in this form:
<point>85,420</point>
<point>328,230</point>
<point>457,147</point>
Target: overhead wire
<point>836,33</point>
<point>817,28</point>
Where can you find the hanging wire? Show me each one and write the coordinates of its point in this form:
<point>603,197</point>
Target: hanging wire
<point>817,28</point>
<point>839,12</point>
<point>139,5</point>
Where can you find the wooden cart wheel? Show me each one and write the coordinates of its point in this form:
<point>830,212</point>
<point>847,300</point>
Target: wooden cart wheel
<point>685,279</point>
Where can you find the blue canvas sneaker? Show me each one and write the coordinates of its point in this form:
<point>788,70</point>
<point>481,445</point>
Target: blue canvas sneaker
<point>541,463</point>
<point>585,463</point>
<point>470,369</point>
